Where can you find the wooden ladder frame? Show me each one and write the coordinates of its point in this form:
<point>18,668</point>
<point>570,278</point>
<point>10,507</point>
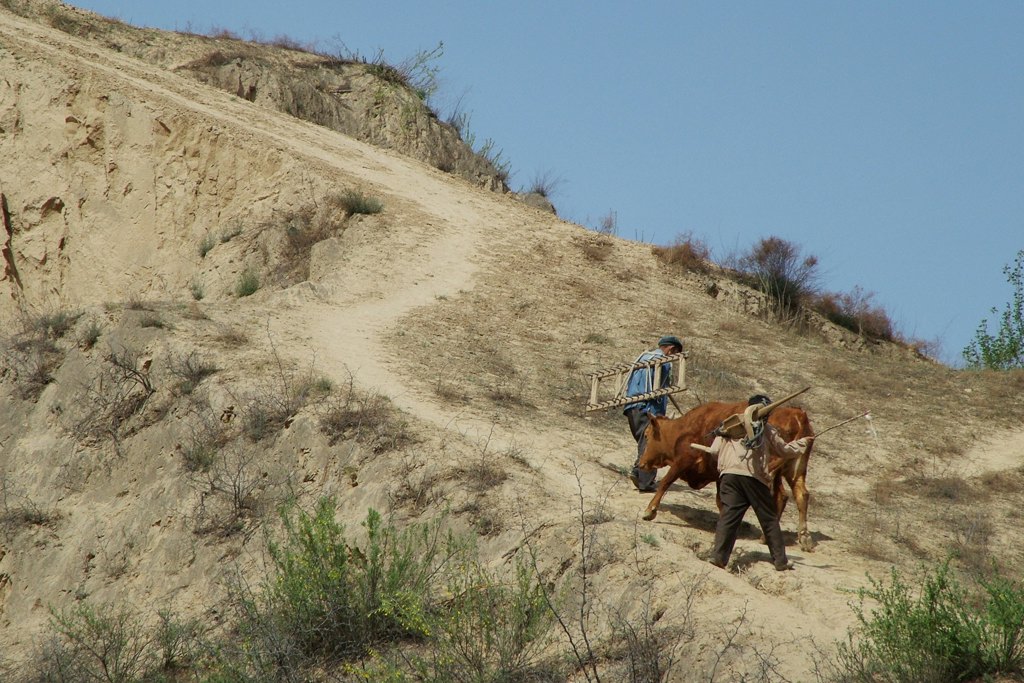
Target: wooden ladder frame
<point>621,373</point>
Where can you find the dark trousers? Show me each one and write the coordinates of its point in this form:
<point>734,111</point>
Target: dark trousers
<point>738,493</point>
<point>638,421</point>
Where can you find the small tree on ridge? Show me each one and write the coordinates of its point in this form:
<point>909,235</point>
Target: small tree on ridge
<point>1004,350</point>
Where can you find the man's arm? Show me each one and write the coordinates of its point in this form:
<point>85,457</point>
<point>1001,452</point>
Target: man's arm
<point>791,450</point>
<point>713,449</point>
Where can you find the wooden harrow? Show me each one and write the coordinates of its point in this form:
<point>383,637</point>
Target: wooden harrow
<point>621,373</point>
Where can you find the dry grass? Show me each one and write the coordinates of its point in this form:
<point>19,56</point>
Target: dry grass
<point>370,419</point>
<point>855,312</point>
<point>418,485</point>
<point>596,248</point>
<point>303,229</point>
<point>190,369</point>
<point>686,254</point>
<point>31,356</point>
<point>232,336</point>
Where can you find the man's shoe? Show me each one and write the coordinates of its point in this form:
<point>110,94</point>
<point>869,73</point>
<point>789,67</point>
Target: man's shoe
<point>650,489</point>
<point>635,478</point>
<point>784,567</point>
<point>717,564</point>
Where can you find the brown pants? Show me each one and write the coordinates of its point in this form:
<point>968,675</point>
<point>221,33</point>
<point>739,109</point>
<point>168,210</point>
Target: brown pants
<point>738,493</point>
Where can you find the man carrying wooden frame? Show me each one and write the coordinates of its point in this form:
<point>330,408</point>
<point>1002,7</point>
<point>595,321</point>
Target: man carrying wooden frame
<point>642,381</point>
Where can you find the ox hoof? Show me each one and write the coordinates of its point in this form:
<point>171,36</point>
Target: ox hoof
<point>806,542</point>
<point>650,514</point>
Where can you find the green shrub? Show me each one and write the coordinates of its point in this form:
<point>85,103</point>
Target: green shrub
<point>941,632</point>
<point>1005,349</point>
<point>108,643</point>
<point>248,283</point>
<point>90,335</point>
<point>55,325</point>
<point>328,601</point>
<point>103,643</point>
<point>493,628</point>
<point>417,73</point>
<point>354,201</point>
<point>206,245</point>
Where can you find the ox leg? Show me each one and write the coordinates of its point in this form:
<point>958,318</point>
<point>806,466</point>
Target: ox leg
<point>652,507</point>
<point>803,499</point>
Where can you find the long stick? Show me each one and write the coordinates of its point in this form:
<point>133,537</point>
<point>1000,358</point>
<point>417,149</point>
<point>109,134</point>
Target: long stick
<point>840,424</point>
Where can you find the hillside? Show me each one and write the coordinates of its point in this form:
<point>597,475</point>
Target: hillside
<point>197,328</point>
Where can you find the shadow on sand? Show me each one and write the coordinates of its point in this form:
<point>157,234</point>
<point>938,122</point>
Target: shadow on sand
<point>699,518</point>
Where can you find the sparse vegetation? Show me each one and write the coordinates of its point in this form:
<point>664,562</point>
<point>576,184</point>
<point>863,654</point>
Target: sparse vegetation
<point>55,325</point>
<point>545,184</point>
<point>90,335</point>
<point>309,226</point>
<point>776,268</point>
<point>581,617</point>
<point>32,355</point>
<point>18,510</point>
<point>495,157</point>
<point>596,338</point>
<point>248,283</point>
<point>369,418</point>
<point>206,245</point>
<point>855,312</point>
<point>596,249</point>
<point>356,202</point>
<point>190,369</point>
<point>233,486</point>
<point>418,72</point>
<point>511,391</point>
<point>609,224</point>
<point>151,320</point>
<point>118,391</point>
<point>230,233</point>
<point>279,397</point>
<point>686,253</point>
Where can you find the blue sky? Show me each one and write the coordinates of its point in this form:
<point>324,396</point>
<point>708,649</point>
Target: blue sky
<point>885,138</point>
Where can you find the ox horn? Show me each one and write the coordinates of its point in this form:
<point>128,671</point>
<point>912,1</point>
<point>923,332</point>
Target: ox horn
<point>764,411</point>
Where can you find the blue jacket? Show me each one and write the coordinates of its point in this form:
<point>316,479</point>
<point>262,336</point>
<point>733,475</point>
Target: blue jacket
<point>641,381</point>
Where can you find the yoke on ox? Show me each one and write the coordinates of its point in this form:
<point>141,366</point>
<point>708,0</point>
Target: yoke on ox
<point>669,444</point>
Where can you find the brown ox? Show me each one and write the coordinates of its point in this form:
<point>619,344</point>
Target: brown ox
<point>668,444</point>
